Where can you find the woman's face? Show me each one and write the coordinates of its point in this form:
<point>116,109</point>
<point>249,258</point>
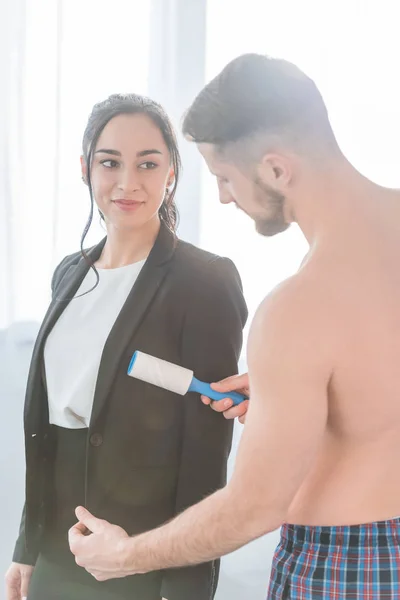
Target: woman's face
<point>130,171</point>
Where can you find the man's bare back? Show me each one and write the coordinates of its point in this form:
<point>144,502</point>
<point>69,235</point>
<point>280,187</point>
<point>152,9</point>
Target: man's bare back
<point>356,478</point>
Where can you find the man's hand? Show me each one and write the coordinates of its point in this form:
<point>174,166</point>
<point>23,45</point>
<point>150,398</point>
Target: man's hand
<point>98,546</point>
<point>17,581</point>
<point>236,383</point>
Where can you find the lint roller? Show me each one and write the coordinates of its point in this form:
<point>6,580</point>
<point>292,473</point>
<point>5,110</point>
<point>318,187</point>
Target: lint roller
<point>173,378</point>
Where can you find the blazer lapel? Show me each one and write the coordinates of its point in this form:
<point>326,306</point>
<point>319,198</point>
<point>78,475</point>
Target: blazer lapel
<point>63,294</point>
<point>135,308</point>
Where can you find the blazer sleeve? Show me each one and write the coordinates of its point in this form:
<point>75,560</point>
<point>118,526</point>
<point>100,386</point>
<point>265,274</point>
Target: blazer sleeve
<point>21,554</point>
<point>211,346</point>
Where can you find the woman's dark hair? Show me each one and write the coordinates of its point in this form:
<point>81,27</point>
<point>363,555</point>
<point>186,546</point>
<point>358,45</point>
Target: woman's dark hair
<point>125,104</point>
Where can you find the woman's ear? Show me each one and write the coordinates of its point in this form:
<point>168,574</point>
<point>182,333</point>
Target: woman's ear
<point>171,177</point>
<point>84,170</point>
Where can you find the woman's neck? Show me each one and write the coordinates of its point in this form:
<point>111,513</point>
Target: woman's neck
<point>124,247</point>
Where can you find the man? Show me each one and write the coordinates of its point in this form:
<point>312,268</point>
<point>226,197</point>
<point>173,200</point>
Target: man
<point>320,451</point>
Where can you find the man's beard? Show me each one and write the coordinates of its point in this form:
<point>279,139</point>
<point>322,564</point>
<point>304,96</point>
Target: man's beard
<point>273,201</point>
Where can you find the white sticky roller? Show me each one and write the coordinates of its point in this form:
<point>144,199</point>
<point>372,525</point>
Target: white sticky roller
<point>161,373</point>
<point>173,378</point>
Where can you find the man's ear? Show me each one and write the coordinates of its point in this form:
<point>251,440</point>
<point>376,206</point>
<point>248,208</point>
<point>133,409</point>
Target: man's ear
<point>276,171</point>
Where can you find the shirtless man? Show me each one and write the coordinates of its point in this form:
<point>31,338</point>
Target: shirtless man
<point>320,451</point>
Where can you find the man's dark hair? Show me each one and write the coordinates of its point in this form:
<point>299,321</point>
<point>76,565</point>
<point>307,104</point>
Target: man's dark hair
<point>256,97</point>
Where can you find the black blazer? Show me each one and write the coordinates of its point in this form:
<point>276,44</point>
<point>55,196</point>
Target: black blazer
<point>150,453</point>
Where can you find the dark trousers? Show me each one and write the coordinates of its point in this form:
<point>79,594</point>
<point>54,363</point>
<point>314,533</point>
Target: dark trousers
<point>56,575</point>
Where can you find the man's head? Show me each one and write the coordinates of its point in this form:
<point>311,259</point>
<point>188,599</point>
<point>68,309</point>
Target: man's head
<point>257,124</point>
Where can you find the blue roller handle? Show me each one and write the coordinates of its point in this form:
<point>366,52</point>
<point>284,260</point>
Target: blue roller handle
<point>206,390</point>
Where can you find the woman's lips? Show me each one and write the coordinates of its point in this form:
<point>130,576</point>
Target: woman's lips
<point>128,205</point>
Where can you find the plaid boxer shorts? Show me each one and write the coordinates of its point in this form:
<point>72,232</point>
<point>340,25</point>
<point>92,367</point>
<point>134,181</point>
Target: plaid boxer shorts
<point>357,562</point>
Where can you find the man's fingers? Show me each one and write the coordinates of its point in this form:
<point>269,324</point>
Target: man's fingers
<point>239,411</point>
<point>231,384</point>
<point>89,521</point>
<point>205,400</point>
<point>218,405</point>
<point>79,531</point>
<point>81,528</point>
<point>227,407</point>
<point>74,536</point>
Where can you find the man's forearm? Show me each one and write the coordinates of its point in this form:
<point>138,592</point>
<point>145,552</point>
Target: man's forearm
<point>216,526</point>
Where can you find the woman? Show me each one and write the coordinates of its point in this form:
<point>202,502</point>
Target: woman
<point>132,453</point>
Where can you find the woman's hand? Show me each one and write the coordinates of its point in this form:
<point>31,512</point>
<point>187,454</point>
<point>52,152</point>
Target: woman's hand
<point>17,581</point>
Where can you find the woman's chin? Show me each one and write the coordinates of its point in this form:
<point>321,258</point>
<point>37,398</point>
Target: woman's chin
<point>132,221</point>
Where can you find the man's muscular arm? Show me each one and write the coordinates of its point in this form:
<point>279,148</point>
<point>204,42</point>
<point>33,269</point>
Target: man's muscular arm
<point>290,357</point>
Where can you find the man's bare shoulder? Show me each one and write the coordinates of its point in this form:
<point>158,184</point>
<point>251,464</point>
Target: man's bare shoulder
<point>299,315</point>
<point>304,295</point>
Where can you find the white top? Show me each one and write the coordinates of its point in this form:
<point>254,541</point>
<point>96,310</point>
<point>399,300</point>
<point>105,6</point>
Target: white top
<point>74,347</point>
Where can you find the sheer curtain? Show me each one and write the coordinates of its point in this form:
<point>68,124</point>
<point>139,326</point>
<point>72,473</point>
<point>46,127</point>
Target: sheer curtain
<point>351,49</point>
<point>61,56</point>
<point>11,70</point>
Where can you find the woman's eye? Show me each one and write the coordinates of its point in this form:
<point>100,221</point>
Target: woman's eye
<point>148,165</point>
<point>109,163</point>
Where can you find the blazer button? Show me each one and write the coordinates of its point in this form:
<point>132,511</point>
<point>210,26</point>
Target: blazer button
<point>96,439</point>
